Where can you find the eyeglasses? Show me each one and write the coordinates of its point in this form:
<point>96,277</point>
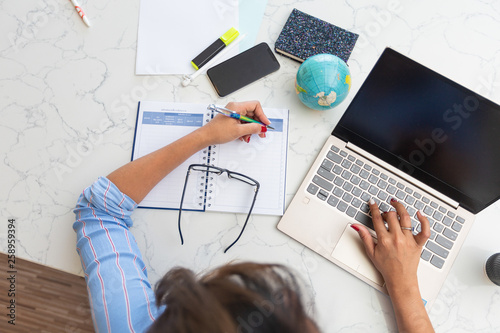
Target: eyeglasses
<point>231,175</point>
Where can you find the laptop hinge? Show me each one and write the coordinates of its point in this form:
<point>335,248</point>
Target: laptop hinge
<point>403,175</point>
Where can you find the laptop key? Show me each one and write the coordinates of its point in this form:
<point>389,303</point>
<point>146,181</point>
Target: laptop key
<point>335,149</point>
<point>373,190</point>
<point>355,180</point>
<point>438,262</point>
<point>356,191</point>
<point>322,195</point>
<point>342,206</point>
<point>364,174</point>
<point>438,227</point>
<point>347,197</point>
<point>365,197</point>
<point>355,169</point>
<point>460,219</point>
<point>445,242</point>
<point>326,174</point>
<point>333,201</point>
<point>409,200</point>
<point>351,211</point>
<point>391,189</point>
<point>364,219</point>
<point>428,211</point>
<point>365,208</point>
<point>347,186</point>
<point>382,195</point>
<point>437,215</point>
<point>450,234</point>
<point>322,183</point>
<point>312,188</point>
<point>346,175</point>
<point>338,181</point>
<point>337,191</point>
<point>426,255</point>
<point>456,226</point>
<point>334,157</point>
<point>412,211</point>
<point>437,249</point>
<point>364,185</point>
<point>382,184</point>
<point>373,179</point>
<point>400,194</point>
<point>433,235</point>
<point>357,203</point>
<point>327,164</point>
<point>384,207</point>
<point>447,221</point>
<point>419,205</point>
<point>346,164</point>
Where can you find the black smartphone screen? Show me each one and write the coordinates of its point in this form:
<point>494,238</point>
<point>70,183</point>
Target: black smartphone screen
<point>243,69</point>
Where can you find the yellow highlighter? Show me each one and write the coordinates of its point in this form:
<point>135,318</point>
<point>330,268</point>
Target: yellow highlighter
<point>214,48</point>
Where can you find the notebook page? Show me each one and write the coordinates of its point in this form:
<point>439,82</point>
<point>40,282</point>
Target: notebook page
<point>263,160</point>
<point>158,124</point>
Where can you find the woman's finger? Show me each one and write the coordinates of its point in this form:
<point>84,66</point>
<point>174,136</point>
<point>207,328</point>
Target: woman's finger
<point>404,217</point>
<point>425,231</point>
<point>378,221</point>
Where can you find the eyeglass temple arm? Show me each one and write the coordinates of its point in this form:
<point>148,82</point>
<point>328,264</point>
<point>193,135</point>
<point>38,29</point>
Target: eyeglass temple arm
<point>248,217</point>
<point>180,206</point>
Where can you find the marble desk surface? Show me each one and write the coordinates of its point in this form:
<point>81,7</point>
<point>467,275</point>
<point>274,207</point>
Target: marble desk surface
<point>67,115</point>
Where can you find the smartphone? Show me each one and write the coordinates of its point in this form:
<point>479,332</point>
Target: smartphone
<point>243,69</point>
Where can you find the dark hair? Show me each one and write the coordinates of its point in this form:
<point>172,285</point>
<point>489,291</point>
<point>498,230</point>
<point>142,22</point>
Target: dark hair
<point>242,298</point>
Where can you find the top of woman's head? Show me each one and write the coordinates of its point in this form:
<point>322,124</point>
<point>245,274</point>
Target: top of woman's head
<point>242,298</point>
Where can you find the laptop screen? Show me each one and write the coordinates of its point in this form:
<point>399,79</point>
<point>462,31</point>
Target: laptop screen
<point>428,126</point>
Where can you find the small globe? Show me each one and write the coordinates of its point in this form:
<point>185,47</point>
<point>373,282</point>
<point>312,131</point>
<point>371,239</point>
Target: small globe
<point>323,81</point>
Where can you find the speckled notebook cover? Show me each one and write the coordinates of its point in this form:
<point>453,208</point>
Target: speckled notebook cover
<point>304,35</point>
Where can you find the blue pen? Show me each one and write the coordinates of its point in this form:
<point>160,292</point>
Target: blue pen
<point>235,115</point>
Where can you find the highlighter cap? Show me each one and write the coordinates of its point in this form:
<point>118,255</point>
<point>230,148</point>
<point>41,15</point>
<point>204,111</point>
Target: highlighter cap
<point>229,36</point>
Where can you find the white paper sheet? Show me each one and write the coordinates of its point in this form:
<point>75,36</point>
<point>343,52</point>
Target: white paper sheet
<point>172,33</point>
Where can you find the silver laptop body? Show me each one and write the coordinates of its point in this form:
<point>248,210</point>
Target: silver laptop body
<point>409,134</point>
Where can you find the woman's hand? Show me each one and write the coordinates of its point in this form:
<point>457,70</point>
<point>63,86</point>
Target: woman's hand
<point>222,129</point>
<point>396,254</point>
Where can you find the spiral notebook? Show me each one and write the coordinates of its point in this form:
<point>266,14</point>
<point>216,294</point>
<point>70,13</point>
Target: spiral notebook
<point>160,123</point>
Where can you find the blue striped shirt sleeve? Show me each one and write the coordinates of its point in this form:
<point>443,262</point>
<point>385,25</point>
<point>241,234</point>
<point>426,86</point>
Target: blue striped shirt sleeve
<point>121,297</point>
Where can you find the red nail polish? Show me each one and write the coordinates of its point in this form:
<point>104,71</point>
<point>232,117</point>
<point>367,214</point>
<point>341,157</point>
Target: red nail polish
<point>263,129</point>
<point>393,200</point>
<point>355,227</point>
<point>248,140</point>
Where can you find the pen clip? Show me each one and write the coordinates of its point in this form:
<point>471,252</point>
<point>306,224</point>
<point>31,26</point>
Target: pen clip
<point>222,110</point>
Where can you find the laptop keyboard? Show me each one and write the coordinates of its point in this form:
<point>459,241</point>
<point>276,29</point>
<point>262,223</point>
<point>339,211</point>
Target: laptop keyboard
<point>346,183</point>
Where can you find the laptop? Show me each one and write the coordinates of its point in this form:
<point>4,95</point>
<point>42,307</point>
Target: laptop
<point>409,134</point>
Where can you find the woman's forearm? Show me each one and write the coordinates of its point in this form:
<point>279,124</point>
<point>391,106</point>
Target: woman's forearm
<point>409,308</point>
<point>137,178</point>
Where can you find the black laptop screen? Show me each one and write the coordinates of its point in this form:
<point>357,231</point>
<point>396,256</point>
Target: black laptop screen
<point>429,127</point>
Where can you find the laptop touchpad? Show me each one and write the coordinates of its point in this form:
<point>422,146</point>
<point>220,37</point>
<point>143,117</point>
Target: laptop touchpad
<point>351,252</point>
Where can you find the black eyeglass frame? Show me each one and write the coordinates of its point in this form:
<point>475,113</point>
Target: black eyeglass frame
<point>219,171</point>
